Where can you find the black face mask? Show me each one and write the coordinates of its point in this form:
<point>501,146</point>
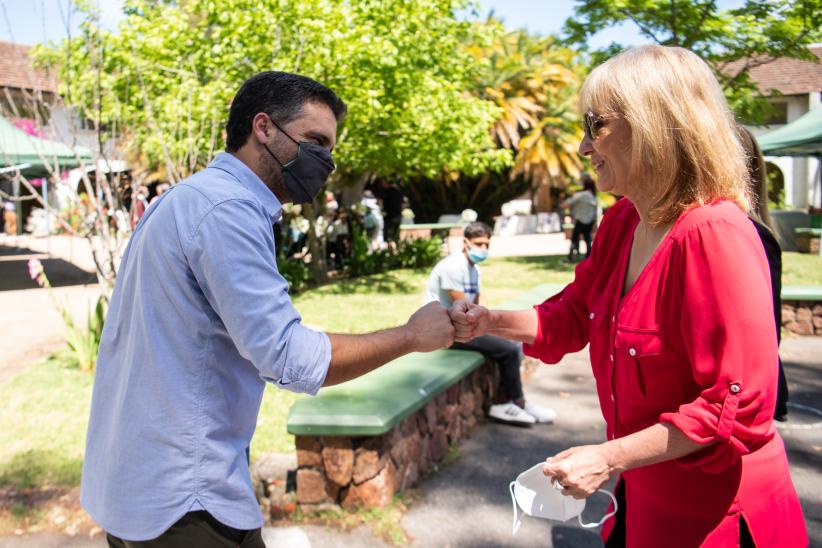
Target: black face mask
<point>306,174</point>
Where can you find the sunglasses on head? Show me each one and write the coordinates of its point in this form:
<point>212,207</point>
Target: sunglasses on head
<point>592,123</point>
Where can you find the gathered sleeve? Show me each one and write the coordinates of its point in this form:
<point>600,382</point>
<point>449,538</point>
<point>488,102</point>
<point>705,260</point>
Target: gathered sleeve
<point>563,324</point>
<point>563,320</point>
<point>726,321</point>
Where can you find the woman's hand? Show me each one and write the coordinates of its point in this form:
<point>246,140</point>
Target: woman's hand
<point>580,470</point>
<point>470,320</point>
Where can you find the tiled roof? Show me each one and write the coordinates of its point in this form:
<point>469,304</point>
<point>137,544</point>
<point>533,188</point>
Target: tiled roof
<point>16,70</point>
<point>786,75</point>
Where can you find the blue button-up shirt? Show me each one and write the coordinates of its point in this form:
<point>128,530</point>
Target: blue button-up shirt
<point>199,319</point>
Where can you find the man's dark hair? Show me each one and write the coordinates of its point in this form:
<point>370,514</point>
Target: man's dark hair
<point>282,96</point>
<point>478,230</point>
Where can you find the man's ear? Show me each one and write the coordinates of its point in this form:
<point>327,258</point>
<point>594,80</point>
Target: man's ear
<point>261,127</point>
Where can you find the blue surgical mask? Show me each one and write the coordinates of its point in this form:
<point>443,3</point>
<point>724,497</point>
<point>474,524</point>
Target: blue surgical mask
<point>477,255</point>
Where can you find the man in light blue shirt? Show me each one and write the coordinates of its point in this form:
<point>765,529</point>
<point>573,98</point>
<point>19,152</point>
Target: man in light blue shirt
<point>200,319</point>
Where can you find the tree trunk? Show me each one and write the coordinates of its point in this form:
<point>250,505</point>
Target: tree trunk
<point>316,246</point>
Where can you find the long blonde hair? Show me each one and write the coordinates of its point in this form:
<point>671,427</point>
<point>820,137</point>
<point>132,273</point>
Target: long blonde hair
<point>684,146</point>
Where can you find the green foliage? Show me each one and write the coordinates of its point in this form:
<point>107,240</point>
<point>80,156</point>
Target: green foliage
<point>418,253</point>
<point>758,31</point>
<point>172,69</point>
<point>363,260</point>
<point>295,271</point>
<point>83,342</point>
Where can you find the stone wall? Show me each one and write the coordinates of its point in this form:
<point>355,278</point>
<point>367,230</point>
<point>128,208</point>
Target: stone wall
<point>368,471</point>
<point>802,317</point>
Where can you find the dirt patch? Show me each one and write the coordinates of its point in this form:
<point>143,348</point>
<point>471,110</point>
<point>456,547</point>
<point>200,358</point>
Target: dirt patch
<point>44,510</point>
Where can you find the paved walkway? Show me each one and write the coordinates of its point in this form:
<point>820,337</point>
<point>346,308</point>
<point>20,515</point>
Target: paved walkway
<point>467,503</point>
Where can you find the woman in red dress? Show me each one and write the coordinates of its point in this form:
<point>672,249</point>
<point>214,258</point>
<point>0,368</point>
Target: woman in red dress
<point>675,302</point>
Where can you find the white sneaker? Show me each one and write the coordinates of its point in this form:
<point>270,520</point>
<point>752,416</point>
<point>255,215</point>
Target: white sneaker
<point>540,414</point>
<point>512,413</point>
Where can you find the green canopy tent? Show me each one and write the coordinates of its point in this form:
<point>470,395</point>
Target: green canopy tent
<point>34,158</point>
<point>802,137</point>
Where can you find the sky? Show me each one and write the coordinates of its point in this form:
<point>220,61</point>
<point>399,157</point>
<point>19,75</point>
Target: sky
<point>33,21</point>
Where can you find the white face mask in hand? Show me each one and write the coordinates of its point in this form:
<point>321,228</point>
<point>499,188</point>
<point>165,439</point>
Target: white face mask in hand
<point>538,498</point>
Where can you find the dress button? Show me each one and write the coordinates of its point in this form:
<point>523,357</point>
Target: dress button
<point>612,357</point>
<point>632,352</point>
<point>613,319</point>
<point>613,398</point>
<point>591,316</point>
<point>735,388</point>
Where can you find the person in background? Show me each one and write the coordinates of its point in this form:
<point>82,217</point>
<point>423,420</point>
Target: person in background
<point>457,277</point>
<point>10,218</point>
<point>161,189</point>
<point>758,179</point>
<point>392,202</point>
<point>584,207</point>
<point>139,205</point>
<point>674,304</point>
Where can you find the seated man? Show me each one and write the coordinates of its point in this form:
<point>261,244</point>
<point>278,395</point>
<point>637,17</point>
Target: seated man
<point>458,277</point>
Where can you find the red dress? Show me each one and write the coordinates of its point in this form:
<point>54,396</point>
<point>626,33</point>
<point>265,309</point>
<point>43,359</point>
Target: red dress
<point>691,344</point>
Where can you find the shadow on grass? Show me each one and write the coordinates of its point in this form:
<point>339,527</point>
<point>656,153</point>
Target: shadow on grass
<point>557,263</point>
<point>36,468</point>
<point>388,282</point>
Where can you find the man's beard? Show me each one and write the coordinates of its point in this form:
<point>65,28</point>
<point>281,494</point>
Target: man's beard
<point>274,180</point>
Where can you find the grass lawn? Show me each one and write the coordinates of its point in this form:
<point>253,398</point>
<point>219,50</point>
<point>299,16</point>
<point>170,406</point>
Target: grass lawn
<point>43,423</point>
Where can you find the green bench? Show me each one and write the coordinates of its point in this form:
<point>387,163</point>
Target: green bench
<point>360,442</point>
<point>807,239</point>
<point>802,309</point>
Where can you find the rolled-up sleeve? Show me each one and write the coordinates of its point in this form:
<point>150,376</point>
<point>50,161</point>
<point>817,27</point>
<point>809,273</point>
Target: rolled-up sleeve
<point>231,254</point>
<point>728,334</point>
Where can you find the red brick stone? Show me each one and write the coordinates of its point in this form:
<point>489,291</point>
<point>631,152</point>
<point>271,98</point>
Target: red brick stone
<point>413,447</point>
<point>441,399</point>
<point>467,404</point>
<point>817,310</point>
<point>788,314</point>
<point>439,444</point>
<point>374,493</point>
<point>398,451</point>
<point>453,393</point>
<point>338,459</point>
<point>424,461</point>
<point>410,475</point>
<point>369,460</point>
<point>311,487</point>
<point>468,426</point>
<point>448,414</point>
<point>309,452</point>
<point>454,429</point>
<point>479,407</point>
<point>803,314</point>
<point>430,412</point>
<point>817,321</point>
<point>800,328</point>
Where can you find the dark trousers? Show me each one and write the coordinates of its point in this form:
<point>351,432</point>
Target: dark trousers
<point>198,529</point>
<point>584,230</point>
<point>506,354</point>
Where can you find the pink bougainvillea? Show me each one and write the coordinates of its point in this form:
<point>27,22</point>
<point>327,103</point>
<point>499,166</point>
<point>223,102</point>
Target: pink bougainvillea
<point>28,126</point>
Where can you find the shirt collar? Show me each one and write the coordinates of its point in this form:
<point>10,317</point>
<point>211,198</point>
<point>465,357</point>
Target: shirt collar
<point>233,166</point>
